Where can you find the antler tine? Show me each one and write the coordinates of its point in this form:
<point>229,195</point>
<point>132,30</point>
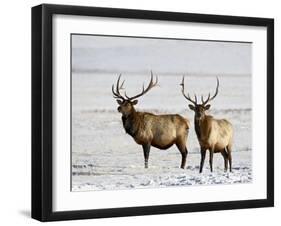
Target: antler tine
<point>202,100</point>
<point>217,90</point>
<point>114,94</point>
<point>187,96</point>
<point>205,101</point>
<point>126,95</point>
<point>150,85</point>
<point>156,81</point>
<point>145,90</point>
<point>121,87</point>
<point>118,87</point>
<point>195,97</point>
<point>213,97</point>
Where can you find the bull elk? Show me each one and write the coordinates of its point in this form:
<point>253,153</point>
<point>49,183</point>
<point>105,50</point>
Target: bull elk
<point>147,129</point>
<point>213,134</point>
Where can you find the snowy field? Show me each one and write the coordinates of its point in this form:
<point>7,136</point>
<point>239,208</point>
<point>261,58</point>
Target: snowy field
<point>105,157</point>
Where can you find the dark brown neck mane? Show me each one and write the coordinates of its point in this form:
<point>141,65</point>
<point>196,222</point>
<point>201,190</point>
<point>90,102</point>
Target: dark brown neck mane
<point>197,127</point>
<point>131,123</point>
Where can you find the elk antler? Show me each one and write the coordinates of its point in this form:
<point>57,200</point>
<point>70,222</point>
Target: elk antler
<point>145,90</point>
<point>204,102</point>
<point>187,96</point>
<point>116,94</point>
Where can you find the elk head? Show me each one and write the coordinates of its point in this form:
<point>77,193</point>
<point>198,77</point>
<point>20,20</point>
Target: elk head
<point>198,108</point>
<point>126,103</point>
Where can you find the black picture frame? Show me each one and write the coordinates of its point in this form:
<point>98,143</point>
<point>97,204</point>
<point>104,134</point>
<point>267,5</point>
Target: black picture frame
<point>42,111</point>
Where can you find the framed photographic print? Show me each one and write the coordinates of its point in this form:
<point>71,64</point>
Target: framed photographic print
<point>145,112</point>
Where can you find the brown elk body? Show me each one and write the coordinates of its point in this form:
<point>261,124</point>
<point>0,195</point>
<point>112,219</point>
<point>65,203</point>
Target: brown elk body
<point>147,129</point>
<point>215,135</point>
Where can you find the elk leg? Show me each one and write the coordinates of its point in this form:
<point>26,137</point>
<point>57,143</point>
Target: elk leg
<point>229,158</point>
<point>183,151</point>
<point>183,158</point>
<point>225,156</point>
<point>146,149</point>
<point>211,159</point>
<point>203,154</point>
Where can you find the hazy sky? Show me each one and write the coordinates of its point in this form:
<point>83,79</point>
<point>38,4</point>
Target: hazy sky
<point>137,55</point>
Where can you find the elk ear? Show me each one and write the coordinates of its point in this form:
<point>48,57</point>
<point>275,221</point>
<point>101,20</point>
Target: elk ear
<point>119,101</point>
<point>134,102</point>
<point>191,107</point>
<point>207,107</point>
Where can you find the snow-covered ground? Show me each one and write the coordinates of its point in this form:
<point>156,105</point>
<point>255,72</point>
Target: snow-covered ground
<point>105,157</point>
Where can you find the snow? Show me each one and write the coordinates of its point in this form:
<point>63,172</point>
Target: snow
<point>104,157</point>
